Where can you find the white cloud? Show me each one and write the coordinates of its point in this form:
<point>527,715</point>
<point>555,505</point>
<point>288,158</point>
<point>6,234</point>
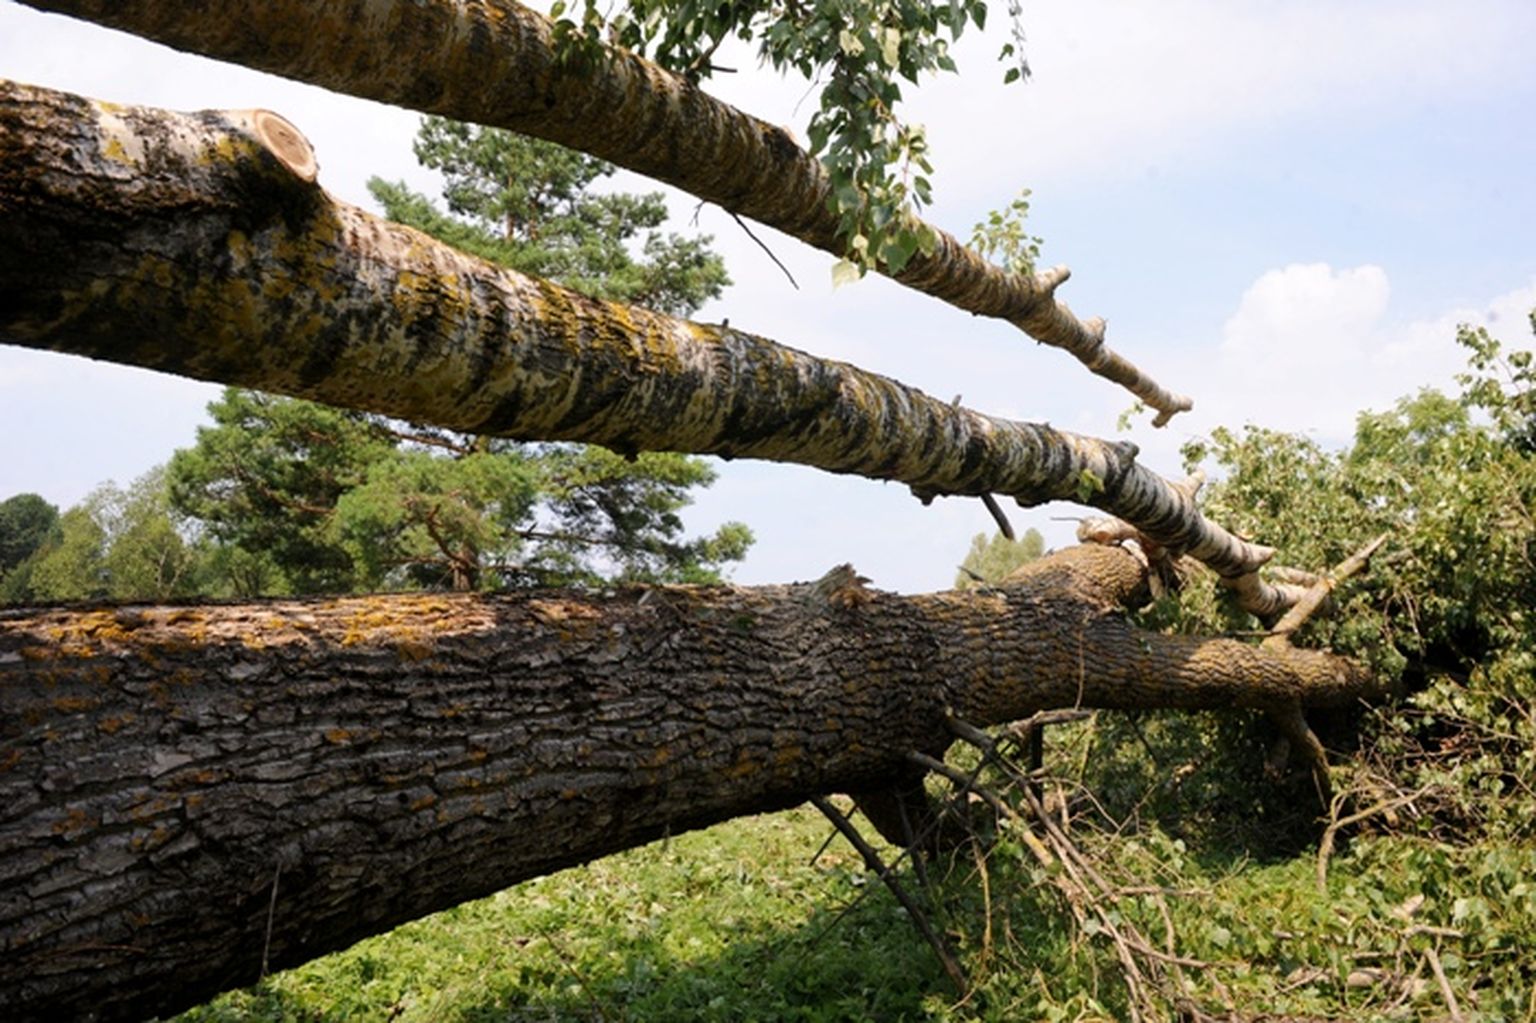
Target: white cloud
<point>1309,347</point>
<point>1305,316</point>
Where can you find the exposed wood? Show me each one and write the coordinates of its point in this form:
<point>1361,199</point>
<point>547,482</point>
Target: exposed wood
<point>183,243</point>
<point>383,757</point>
<point>1295,732</point>
<point>494,62</point>
<point>1318,591</point>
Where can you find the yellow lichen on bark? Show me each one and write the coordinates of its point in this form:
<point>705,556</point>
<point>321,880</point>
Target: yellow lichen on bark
<point>321,300</point>
<point>496,64</point>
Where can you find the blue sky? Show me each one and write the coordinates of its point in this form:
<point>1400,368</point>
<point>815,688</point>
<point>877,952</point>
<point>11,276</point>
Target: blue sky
<point>1282,209</point>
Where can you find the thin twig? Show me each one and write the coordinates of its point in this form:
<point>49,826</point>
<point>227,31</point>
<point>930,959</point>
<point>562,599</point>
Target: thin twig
<point>1325,844</point>
<point>1318,592</point>
<point>1451,1005</point>
<point>581,982</point>
<point>781,266</point>
<point>1293,726</point>
<point>986,906</point>
<point>825,845</point>
<point>919,919</point>
<point>1018,729</point>
<point>1290,720</point>
<point>928,830</point>
<point>266,946</point>
<point>909,836</point>
<point>1084,889</point>
<point>1003,525</point>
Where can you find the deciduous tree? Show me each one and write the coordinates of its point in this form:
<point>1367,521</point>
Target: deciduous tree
<point>993,558</point>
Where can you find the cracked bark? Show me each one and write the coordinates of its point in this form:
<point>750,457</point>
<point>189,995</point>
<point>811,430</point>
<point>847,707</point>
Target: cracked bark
<point>494,63</point>
<point>390,756</point>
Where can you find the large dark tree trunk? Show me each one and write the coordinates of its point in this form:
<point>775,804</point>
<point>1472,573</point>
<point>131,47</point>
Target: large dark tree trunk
<point>179,783</point>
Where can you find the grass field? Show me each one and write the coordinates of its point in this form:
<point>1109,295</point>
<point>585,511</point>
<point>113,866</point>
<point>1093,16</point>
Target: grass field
<point>755,920</point>
<point>730,923</point>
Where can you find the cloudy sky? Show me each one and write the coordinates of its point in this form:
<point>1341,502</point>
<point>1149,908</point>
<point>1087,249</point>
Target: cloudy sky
<point>1283,210</point>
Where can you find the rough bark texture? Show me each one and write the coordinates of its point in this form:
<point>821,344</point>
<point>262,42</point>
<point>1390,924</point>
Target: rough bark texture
<point>493,62</point>
<point>378,758</point>
<point>183,243</point>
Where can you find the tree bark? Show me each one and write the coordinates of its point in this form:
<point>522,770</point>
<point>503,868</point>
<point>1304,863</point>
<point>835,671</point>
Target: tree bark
<point>494,62</point>
<point>178,782</point>
<point>199,244</point>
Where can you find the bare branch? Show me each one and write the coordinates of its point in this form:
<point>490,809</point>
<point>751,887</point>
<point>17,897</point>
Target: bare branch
<point>1318,592</point>
<point>914,911</point>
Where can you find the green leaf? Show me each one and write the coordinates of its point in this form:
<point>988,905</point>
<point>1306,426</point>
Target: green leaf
<point>898,250</point>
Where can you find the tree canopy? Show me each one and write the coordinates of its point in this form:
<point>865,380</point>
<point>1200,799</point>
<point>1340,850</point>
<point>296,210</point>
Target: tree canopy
<point>27,523</point>
<point>295,497</point>
<point>531,205</point>
<point>991,558</point>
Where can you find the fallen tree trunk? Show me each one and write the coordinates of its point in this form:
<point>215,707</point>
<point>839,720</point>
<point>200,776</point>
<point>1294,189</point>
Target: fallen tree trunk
<point>494,62</point>
<point>199,244</point>
<point>190,794</point>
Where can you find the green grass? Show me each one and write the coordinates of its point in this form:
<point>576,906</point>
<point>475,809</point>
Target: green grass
<point>730,923</point>
<point>738,923</point>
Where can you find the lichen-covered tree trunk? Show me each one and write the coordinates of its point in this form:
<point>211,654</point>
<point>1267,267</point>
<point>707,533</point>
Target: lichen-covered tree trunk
<point>493,62</point>
<point>200,245</point>
<point>187,793</point>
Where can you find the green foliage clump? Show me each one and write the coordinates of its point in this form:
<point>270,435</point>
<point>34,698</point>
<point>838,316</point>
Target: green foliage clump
<point>296,497</point>
<point>861,52</point>
<point>530,205</point>
<point>1435,862</point>
<point>28,523</point>
<point>264,479</point>
<point>1003,238</point>
<point>117,543</point>
<point>1448,608</point>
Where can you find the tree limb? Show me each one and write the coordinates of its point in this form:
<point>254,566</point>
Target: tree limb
<point>496,64</point>
<point>188,244</point>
